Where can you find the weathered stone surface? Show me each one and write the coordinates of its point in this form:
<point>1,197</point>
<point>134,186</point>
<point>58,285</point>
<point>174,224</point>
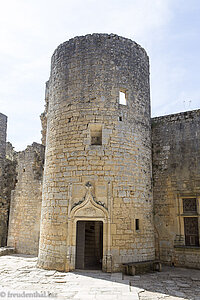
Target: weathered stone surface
<point>176,175</point>
<point>87,74</point>
<point>25,209</point>
<point>3,202</point>
<point>43,116</point>
<point>19,275</point>
<point>3,127</point>
<point>98,164</point>
<point>7,179</point>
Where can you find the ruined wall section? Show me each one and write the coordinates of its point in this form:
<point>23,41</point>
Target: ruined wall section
<point>25,208</point>
<point>10,178</point>
<point>43,116</point>
<point>10,172</point>
<point>176,176</point>
<point>3,131</point>
<point>3,202</point>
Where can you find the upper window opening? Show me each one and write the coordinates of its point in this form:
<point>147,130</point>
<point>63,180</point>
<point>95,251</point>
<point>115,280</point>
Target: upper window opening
<point>96,134</point>
<point>122,98</point>
<point>189,205</point>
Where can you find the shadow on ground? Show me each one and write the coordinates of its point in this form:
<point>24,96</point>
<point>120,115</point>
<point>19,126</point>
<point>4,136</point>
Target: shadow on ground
<point>20,273</point>
<point>171,283</point>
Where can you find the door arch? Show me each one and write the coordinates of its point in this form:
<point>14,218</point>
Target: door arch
<point>88,211</point>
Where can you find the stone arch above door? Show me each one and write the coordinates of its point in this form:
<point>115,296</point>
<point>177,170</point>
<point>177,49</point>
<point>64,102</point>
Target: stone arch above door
<point>88,207</point>
<point>88,210</point>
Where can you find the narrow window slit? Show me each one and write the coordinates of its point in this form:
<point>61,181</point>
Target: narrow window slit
<point>137,227</point>
<point>122,98</point>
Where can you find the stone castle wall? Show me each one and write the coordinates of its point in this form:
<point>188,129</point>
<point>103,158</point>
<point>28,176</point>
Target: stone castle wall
<point>10,178</point>
<point>176,176</point>
<point>99,165</point>
<point>3,130</point>
<point>3,203</point>
<point>43,116</point>
<point>25,208</point>
<point>110,181</point>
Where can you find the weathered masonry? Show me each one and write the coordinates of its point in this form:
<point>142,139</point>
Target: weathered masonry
<point>3,203</point>
<point>97,176</point>
<point>117,186</point>
<point>176,192</point>
<point>26,199</point>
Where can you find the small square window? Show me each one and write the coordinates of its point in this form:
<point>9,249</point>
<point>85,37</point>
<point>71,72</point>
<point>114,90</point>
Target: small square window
<point>96,134</point>
<point>120,118</point>
<point>189,205</point>
<point>123,97</point>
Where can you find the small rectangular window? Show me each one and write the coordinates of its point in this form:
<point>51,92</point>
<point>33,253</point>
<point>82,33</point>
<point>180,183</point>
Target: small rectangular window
<point>96,134</point>
<point>120,118</point>
<point>123,98</point>
<point>137,227</point>
<point>189,205</point>
<point>191,231</point>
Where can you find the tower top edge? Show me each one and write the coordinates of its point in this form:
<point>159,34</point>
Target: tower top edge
<point>3,116</point>
<point>99,36</point>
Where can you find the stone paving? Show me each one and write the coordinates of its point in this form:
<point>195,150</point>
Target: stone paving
<point>21,279</point>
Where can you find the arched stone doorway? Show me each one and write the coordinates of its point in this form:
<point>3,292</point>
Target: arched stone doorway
<point>89,222</point>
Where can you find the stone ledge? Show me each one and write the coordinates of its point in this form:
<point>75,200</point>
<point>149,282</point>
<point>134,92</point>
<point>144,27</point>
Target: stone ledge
<point>187,248</point>
<point>6,251</point>
<point>191,114</point>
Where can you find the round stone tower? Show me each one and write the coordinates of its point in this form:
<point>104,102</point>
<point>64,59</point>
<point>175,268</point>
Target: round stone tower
<point>97,209</point>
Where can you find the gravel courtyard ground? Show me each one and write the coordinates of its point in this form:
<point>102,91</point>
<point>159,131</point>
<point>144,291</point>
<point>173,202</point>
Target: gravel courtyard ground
<point>21,279</point>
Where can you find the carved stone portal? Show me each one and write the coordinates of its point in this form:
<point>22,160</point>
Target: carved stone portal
<point>88,210</point>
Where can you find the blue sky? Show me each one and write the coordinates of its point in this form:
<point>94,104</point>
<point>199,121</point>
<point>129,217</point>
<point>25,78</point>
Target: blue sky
<point>30,30</point>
